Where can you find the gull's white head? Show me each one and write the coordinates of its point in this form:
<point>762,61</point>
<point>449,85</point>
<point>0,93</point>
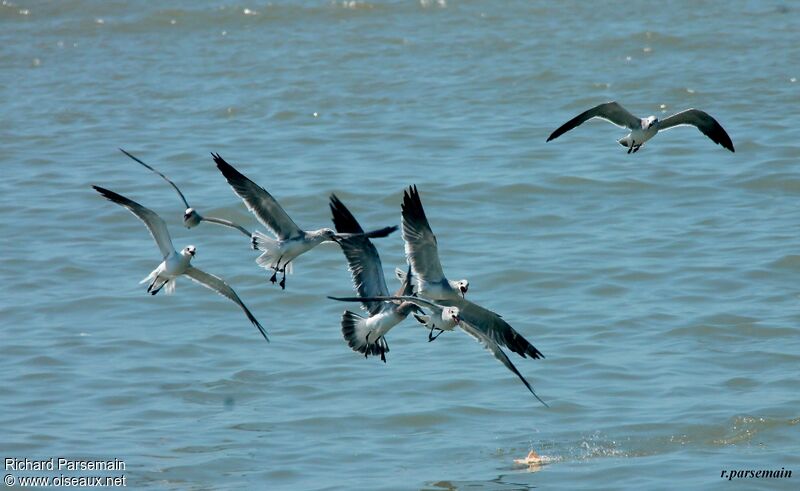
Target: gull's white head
<point>189,251</point>
<point>650,121</point>
<point>327,234</point>
<point>451,314</point>
<point>191,218</point>
<point>461,286</point>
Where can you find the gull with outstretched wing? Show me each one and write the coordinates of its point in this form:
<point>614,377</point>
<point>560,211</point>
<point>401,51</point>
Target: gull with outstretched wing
<point>191,218</point>
<point>422,252</point>
<point>175,264</point>
<point>367,335</point>
<point>479,323</point>
<point>643,129</point>
<point>290,241</point>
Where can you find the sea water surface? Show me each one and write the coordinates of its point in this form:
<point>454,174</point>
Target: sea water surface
<point>663,287</point>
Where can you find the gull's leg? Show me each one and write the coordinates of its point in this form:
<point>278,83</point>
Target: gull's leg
<point>150,288</point>
<point>383,351</point>
<point>159,287</point>
<point>283,279</point>
<point>274,277</point>
<point>431,337</point>
<point>630,148</point>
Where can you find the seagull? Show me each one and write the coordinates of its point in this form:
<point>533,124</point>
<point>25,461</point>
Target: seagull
<point>477,322</point>
<point>191,218</point>
<point>367,335</point>
<point>645,129</point>
<point>175,264</point>
<point>423,254</point>
<point>290,240</point>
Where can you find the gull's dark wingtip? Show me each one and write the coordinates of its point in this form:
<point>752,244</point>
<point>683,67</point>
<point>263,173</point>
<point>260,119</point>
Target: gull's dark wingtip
<point>721,137</point>
<point>254,321</point>
<point>728,144</point>
<point>561,130</point>
<point>411,208</point>
<point>109,194</point>
<point>343,220</point>
<point>137,159</point>
<point>219,160</point>
<point>539,398</point>
<point>262,331</point>
<point>128,154</point>
<point>227,169</point>
<point>382,232</point>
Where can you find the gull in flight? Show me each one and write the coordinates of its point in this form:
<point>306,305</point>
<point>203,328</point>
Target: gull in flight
<point>479,323</point>
<point>642,130</point>
<point>290,240</point>
<point>174,264</point>
<point>191,218</point>
<point>423,254</point>
<point>367,335</point>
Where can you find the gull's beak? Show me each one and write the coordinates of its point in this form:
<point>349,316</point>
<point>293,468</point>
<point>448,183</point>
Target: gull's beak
<point>463,291</point>
<point>192,252</point>
<point>457,318</point>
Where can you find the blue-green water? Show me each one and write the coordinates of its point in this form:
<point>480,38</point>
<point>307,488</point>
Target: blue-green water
<point>662,286</point>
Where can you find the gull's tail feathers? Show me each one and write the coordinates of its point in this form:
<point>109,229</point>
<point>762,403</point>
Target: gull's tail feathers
<point>169,287</point>
<point>157,283</point>
<point>150,277</point>
<point>356,333</point>
<point>271,253</point>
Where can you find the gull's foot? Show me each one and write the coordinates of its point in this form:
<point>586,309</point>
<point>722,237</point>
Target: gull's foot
<point>153,292</point>
<point>383,348</point>
<point>283,278</point>
<point>433,338</point>
<point>274,278</point>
